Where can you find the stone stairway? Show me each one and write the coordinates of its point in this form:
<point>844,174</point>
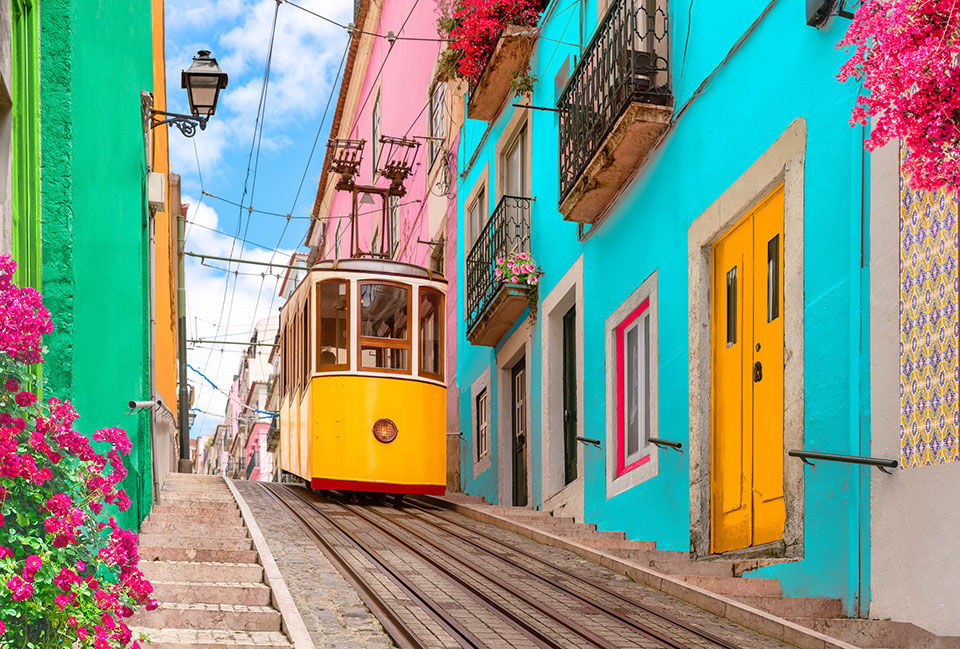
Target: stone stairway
<point>197,553</point>
<point>822,615</point>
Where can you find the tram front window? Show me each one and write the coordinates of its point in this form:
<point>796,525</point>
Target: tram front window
<point>333,351</point>
<point>431,333</point>
<point>384,326</point>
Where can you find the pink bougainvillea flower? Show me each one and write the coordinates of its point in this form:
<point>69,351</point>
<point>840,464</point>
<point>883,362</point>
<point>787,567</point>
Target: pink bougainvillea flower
<point>907,56</point>
<point>12,385</point>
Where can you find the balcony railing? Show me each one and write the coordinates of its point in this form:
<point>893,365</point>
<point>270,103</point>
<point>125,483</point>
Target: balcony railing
<point>253,463</point>
<point>508,230</point>
<point>625,62</point>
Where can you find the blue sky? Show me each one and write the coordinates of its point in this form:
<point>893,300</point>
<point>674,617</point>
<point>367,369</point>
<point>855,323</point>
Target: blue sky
<point>306,55</point>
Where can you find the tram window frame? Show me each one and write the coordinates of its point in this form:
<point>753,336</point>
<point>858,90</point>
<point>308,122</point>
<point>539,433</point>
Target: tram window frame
<point>384,343</point>
<point>295,351</point>
<point>306,366</point>
<point>336,366</point>
<point>441,325</point>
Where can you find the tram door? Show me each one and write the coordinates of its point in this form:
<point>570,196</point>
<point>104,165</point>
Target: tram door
<point>518,402</point>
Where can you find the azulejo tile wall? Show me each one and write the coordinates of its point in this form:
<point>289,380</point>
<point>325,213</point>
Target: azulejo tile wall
<point>929,365</point>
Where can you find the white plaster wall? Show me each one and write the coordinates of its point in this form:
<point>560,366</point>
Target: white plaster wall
<point>914,516</point>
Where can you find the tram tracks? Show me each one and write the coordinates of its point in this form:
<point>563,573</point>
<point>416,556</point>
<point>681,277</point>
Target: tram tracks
<point>538,620</point>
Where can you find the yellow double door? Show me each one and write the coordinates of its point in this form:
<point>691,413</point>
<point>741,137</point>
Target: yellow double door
<point>747,503</point>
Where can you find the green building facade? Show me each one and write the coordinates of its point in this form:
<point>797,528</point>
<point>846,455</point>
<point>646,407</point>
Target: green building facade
<point>80,213</point>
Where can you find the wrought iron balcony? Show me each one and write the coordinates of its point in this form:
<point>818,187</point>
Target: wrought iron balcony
<point>492,304</point>
<point>615,106</point>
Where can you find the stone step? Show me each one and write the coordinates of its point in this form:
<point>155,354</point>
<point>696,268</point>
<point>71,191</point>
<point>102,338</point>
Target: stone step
<point>196,501</point>
<point>880,633</point>
<point>250,594</point>
<point>792,607</point>
<point>172,638</point>
<point>186,509</point>
<point>231,530</point>
<point>692,568</point>
<point>606,544</point>
<point>584,532</point>
<point>735,586</point>
<point>467,499</point>
<point>210,616</point>
<point>645,555</point>
<point>198,494</point>
<point>202,571</point>
<point>192,477</point>
<point>196,517</point>
<point>236,542</point>
<point>153,553</point>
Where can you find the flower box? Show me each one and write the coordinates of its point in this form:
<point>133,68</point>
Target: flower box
<point>511,54</point>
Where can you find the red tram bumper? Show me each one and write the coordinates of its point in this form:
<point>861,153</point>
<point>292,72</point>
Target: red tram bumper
<point>378,487</point>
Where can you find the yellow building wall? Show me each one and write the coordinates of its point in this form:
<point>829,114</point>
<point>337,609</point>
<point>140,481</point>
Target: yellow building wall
<point>165,308</point>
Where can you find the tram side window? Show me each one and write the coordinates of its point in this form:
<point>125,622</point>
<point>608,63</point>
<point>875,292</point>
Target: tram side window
<point>333,325</point>
<point>431,333</point>
<point>385,327</point>
<point>305,361</point>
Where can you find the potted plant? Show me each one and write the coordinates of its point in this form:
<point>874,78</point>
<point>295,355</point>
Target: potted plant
<point>519,269</point>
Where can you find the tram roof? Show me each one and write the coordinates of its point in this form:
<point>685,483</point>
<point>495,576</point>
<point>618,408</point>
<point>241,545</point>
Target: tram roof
<point>378,266</point>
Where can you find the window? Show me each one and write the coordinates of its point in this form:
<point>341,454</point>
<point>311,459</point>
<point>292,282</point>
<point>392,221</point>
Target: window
<point>438,261</point>
<point>483,424</point>
<point>384,327</point>
<point>477,215</point>
<point>336,242</point>
<point>773,278</point>
<point>394,226</point>
<point>513,166</point>
<point>438,121</point>
<point>431,333</point>
<point>305,360</point>
<point>631,374</point>
<point>633,387</point>
<point>333,325</point>
<point>375,130</point>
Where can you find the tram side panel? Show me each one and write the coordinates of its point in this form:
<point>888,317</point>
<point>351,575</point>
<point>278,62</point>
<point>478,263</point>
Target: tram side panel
<point>304,445</point>
<point>347,455</point>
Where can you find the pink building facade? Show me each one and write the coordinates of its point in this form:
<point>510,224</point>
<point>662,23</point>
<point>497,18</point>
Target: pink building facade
<point>392,90</point>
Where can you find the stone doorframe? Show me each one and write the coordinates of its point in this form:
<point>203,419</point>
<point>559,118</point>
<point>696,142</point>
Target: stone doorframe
<point>783,163</point>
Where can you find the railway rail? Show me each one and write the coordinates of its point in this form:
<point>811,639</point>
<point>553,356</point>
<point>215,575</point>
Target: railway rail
<point>524,599</point>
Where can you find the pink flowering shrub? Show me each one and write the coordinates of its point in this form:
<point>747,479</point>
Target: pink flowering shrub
<point>474,27</point>
<point>68,573</point>
<point>518,268</point>
<point>907,54</point>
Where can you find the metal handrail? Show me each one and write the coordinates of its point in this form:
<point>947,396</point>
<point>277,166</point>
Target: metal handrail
<point>880,463</point>
<point>507,230</point>
<point>588,440</point>
<point>625,61</point>
<point>663,443</point>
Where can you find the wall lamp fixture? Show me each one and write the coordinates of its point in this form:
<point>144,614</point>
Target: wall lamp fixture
<point>203,81</point>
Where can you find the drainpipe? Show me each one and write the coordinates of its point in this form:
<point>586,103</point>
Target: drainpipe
<point>183,407</point>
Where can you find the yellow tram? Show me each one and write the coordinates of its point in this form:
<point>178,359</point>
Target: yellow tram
<point>362,392</point>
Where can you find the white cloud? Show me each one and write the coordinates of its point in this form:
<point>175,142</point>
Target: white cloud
<point>306,54</point>
<point>236,311</point>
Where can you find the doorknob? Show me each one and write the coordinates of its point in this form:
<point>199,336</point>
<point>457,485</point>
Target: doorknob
<point>757,372</point>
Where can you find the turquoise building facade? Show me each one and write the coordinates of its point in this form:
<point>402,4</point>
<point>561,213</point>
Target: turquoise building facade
<point>752,108</point>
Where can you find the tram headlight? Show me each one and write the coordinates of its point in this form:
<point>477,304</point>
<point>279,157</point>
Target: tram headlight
<point>385,431</point>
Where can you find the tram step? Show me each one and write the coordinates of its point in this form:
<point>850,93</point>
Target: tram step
<point>211,593</point>
<point>880,633</point>
<point>172,638</point>
<point>154,553</point>
<point>735,586</point>
<point>202,571</point>
<point>795,606</point>
<point>239,541</point>
<point>198,529</point>
<point>210,616</point>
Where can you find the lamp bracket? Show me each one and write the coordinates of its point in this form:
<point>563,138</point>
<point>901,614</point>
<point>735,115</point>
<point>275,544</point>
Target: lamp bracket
<point>186,123</point>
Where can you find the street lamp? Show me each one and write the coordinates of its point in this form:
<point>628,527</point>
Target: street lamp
<point>203,81</point>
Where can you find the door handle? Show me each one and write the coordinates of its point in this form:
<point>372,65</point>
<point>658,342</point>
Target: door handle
<point>757,372</point>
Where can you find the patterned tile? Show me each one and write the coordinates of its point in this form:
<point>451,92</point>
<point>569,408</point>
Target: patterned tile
<point>929,328</point>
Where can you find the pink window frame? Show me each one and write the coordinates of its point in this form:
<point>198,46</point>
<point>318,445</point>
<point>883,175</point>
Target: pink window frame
<point>621,401</point>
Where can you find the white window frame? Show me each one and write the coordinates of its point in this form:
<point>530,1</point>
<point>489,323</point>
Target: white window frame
<point>375,134</point>
<point>480,451</point>
<point>643,352</point>
<point>617,482</point>
<point>437,120</point>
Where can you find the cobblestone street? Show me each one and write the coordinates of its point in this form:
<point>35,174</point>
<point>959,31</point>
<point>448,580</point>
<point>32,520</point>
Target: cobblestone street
<point>336,617</point>
<point>332,611</point>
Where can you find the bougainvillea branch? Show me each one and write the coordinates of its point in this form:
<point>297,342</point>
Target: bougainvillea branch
<point>907,54</point>
<point>68,572</point>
